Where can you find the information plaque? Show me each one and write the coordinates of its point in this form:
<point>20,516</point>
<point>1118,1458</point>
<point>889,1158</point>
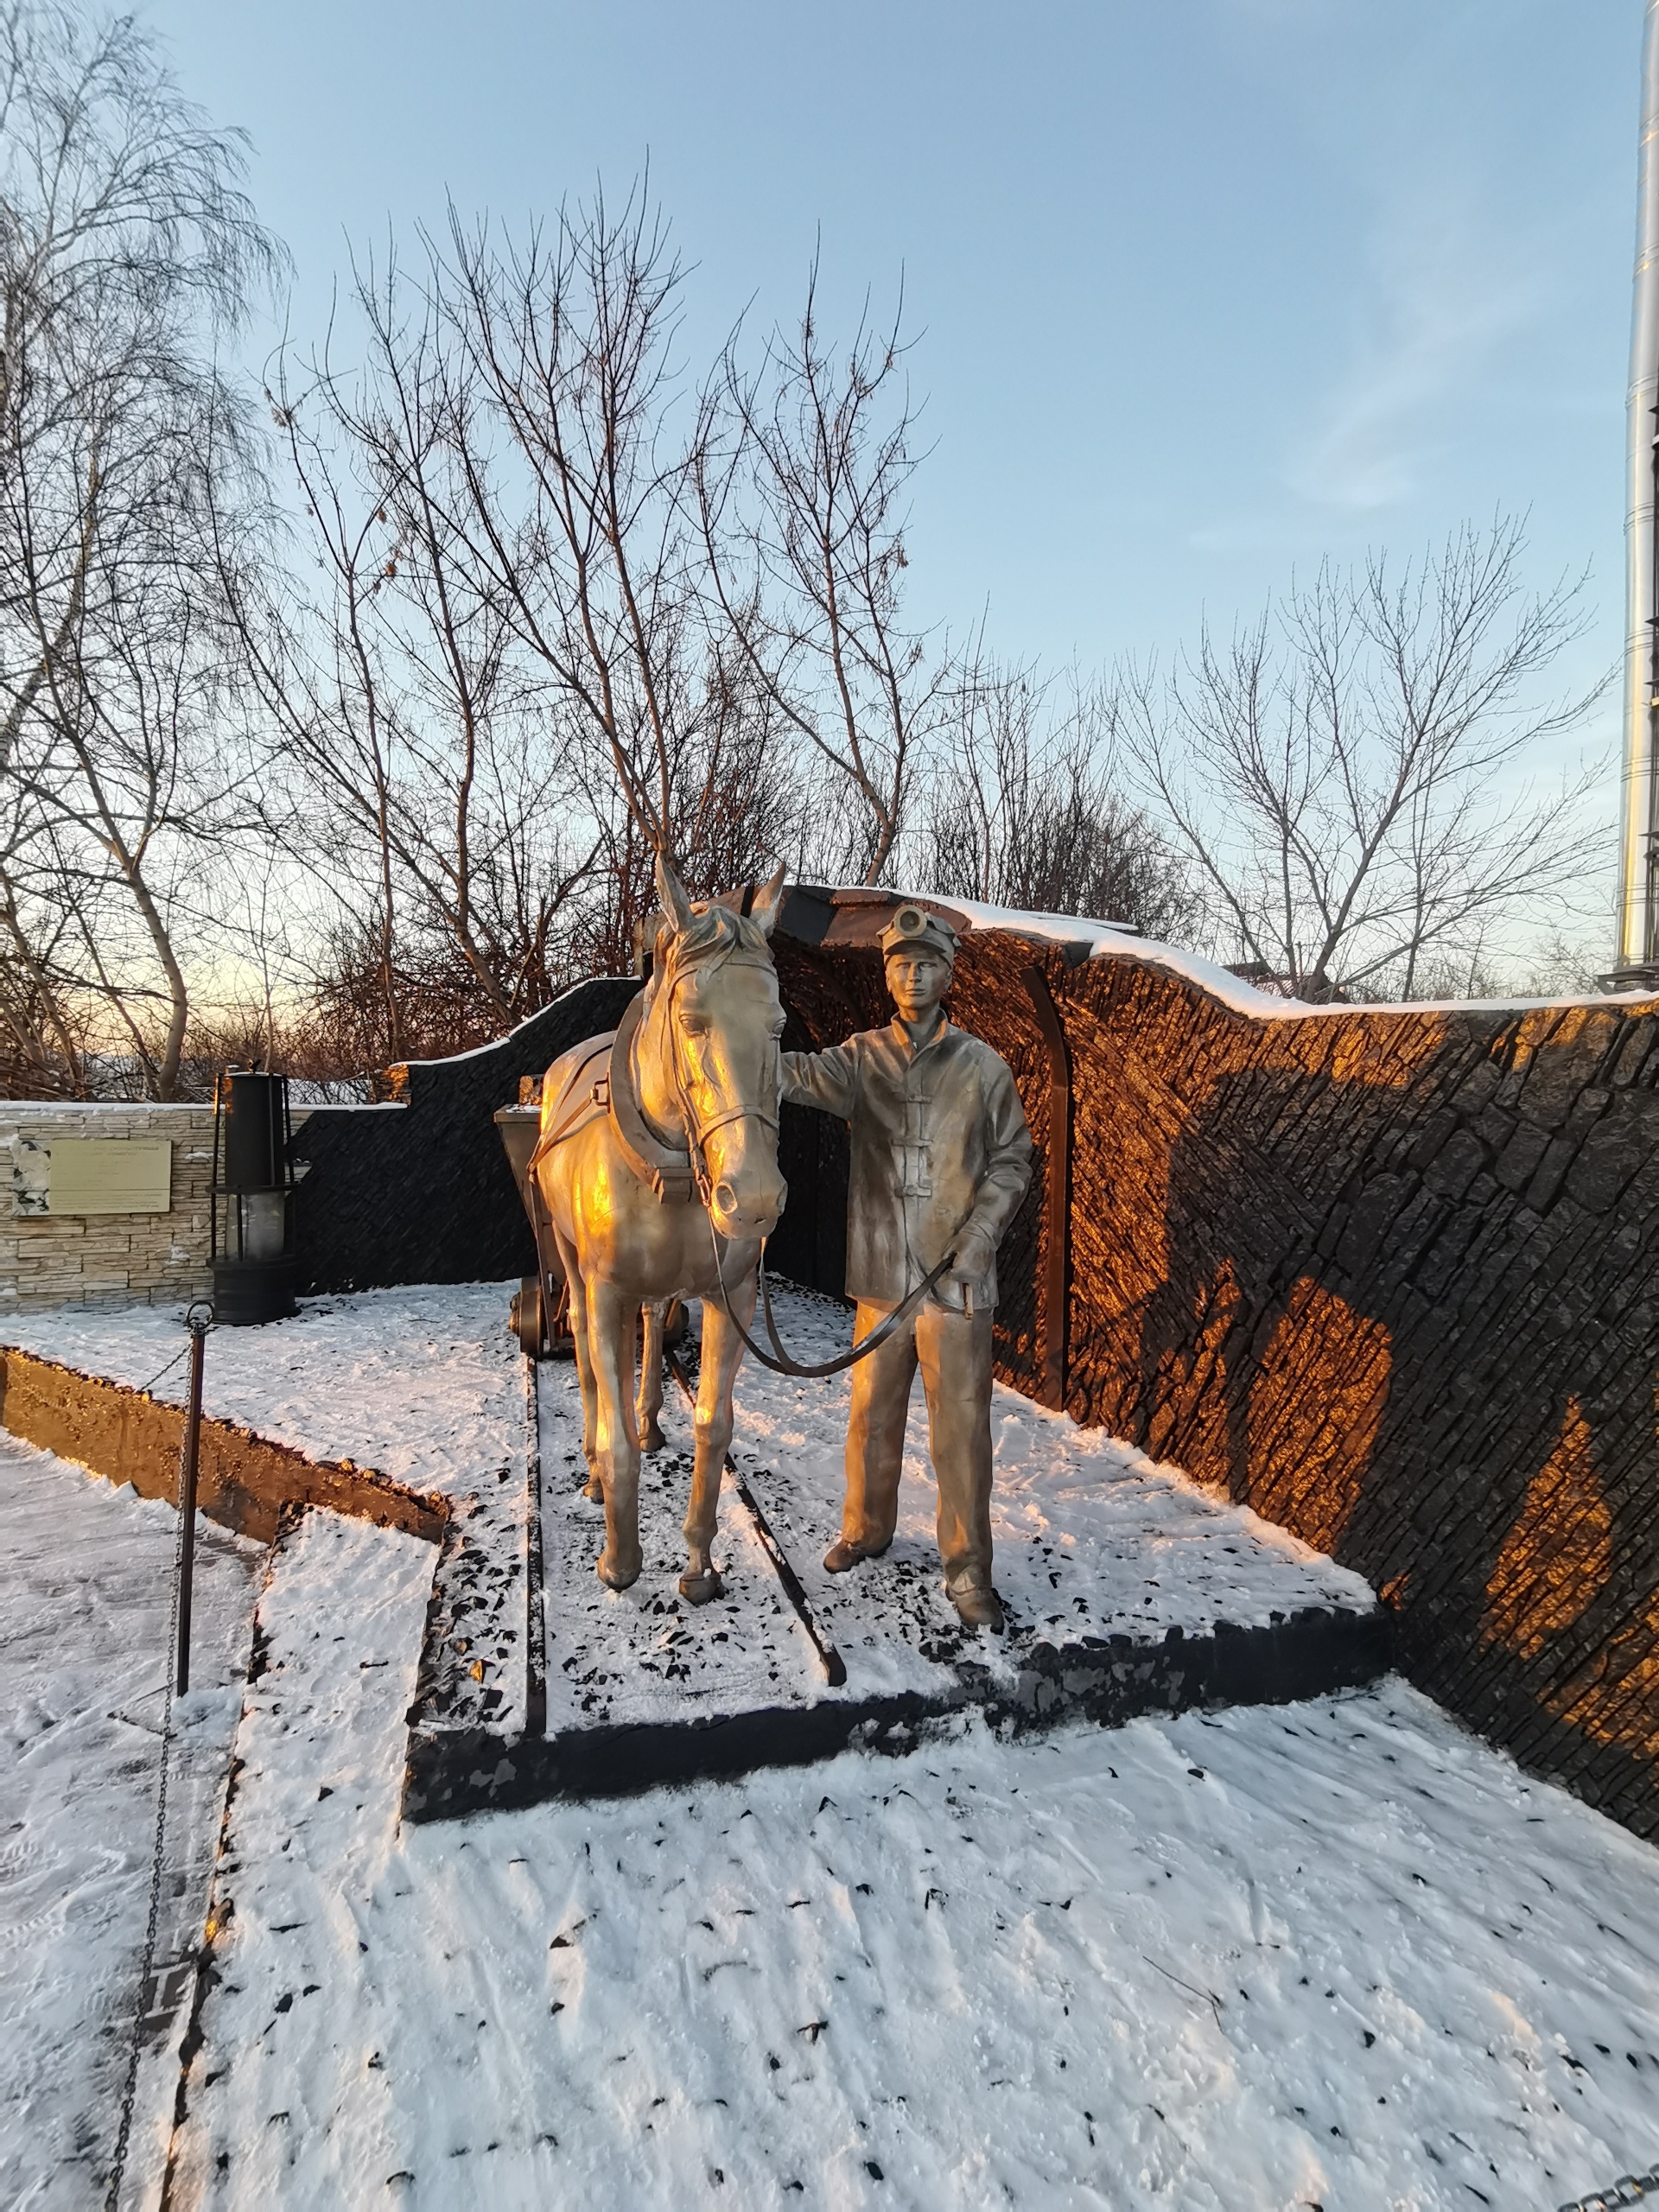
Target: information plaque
<point>110,1175</point>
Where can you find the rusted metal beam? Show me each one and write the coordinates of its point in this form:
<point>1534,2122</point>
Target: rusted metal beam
<point>1057,1197</point>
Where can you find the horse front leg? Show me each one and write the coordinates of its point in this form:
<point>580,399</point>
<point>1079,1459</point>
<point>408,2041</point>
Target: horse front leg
<point>722,1348</point>
<point>651,1377</point>
<point>610,1327</point>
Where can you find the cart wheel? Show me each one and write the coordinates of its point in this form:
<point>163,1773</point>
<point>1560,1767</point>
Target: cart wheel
<point>526,1318</point>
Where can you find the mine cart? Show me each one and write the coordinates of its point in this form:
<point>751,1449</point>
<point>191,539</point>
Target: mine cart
<point>539,1317</point>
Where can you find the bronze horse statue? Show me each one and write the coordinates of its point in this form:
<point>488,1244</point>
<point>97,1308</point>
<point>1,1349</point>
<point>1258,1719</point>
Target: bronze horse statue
<point>656,1141</point>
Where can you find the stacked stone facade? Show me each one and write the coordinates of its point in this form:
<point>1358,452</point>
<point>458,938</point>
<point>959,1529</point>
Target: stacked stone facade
<point>56,1259</point>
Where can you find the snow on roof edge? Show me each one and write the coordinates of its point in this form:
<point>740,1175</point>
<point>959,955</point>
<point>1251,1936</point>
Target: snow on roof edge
<point>1118,939</point>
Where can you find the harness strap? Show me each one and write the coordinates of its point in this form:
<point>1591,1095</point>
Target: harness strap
<point>587,1110</point>
<point>706,1129</point>
<point>665,1168</point>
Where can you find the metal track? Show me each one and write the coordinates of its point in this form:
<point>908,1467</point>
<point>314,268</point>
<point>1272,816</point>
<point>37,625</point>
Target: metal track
<point>834,1667</point>
<point>535,1565</point>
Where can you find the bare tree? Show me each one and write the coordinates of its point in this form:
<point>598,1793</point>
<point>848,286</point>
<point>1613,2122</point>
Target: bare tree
<point>802,466</point>
<point>1022,809</point>
<point>126,246</point>
<point>1343,777</point>
<point>414,741</point>
<point>578,523</point>
<point>735,805</point>
<point>573,473</point>
<point>508,698</point>
<point>44,1034</point>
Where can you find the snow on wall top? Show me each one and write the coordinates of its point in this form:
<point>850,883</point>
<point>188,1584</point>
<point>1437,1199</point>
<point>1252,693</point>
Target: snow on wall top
<point>1118,940</point>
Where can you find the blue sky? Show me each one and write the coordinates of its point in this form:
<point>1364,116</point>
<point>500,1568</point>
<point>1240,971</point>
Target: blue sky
<point>1203,290</point>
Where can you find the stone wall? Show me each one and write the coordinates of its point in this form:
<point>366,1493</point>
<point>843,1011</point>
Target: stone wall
<point>1389,1277</point>
<point>48,1259</point>
<point>414,1189</point>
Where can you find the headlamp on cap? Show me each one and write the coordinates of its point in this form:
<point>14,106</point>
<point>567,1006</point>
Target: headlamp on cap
<point>913,929</point>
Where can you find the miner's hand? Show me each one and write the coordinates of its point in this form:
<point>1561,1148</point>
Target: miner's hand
<point>975,1253</point>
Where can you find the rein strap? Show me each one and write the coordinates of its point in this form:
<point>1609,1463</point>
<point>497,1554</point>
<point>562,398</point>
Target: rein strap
<point>784,1362</point>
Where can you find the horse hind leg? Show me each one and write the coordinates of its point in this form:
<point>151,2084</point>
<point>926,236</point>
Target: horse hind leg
<point>577,1306</point>
<point>650,1408</point>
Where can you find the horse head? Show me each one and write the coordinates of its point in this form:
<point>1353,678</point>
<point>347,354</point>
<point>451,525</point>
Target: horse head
<point>714,997</point>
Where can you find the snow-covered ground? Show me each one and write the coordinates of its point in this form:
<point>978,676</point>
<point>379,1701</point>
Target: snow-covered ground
<point>1334,1954</point>
<point>86,1573</point>
<point>1338,1954</point>
<point>424,1384</point>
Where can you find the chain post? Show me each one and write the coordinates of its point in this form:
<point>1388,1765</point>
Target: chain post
<point>197,1321</point>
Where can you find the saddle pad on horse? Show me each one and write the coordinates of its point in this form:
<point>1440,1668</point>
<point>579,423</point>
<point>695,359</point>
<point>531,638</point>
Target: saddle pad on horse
<point>568,1103</point>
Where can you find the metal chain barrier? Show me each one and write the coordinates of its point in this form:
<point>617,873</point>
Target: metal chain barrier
<point>147,1963</point>
<point>181,1564</point>
<point>145,1388</point>
<point>1629,2189</point>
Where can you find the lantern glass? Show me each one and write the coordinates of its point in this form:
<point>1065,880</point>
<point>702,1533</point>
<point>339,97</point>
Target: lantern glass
<point>264,1224</point>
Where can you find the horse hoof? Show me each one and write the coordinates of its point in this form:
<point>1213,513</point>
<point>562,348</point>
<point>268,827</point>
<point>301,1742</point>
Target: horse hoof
<point>650,1439</point>
<point>615,1577</point>
<point>698,1589</point>
<point>594,1491</point>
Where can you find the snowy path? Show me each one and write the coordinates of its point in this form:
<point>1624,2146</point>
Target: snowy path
<point>425,1385</point>
<point>1089,1533</point>
<point>1335,1954</point>
<point>1093,1538</point>
<point>84,1578</point>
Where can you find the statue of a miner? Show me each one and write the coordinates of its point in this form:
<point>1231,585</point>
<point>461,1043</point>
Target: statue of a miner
<point>941,1157</point>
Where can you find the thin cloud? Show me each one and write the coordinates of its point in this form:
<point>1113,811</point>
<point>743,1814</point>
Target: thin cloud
<point>1446,291</point>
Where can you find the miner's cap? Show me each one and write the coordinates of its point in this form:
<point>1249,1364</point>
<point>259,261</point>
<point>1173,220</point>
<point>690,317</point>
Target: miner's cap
<point>913,929</point>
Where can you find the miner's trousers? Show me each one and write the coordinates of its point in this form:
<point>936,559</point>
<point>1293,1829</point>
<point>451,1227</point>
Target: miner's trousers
<point>954,1353</point>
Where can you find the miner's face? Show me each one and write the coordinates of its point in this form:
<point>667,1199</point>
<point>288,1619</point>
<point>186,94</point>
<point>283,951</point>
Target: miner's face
<point>917,980</point>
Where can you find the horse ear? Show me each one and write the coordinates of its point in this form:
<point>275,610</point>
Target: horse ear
<point>672,892</point>
<point>769,903</point>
